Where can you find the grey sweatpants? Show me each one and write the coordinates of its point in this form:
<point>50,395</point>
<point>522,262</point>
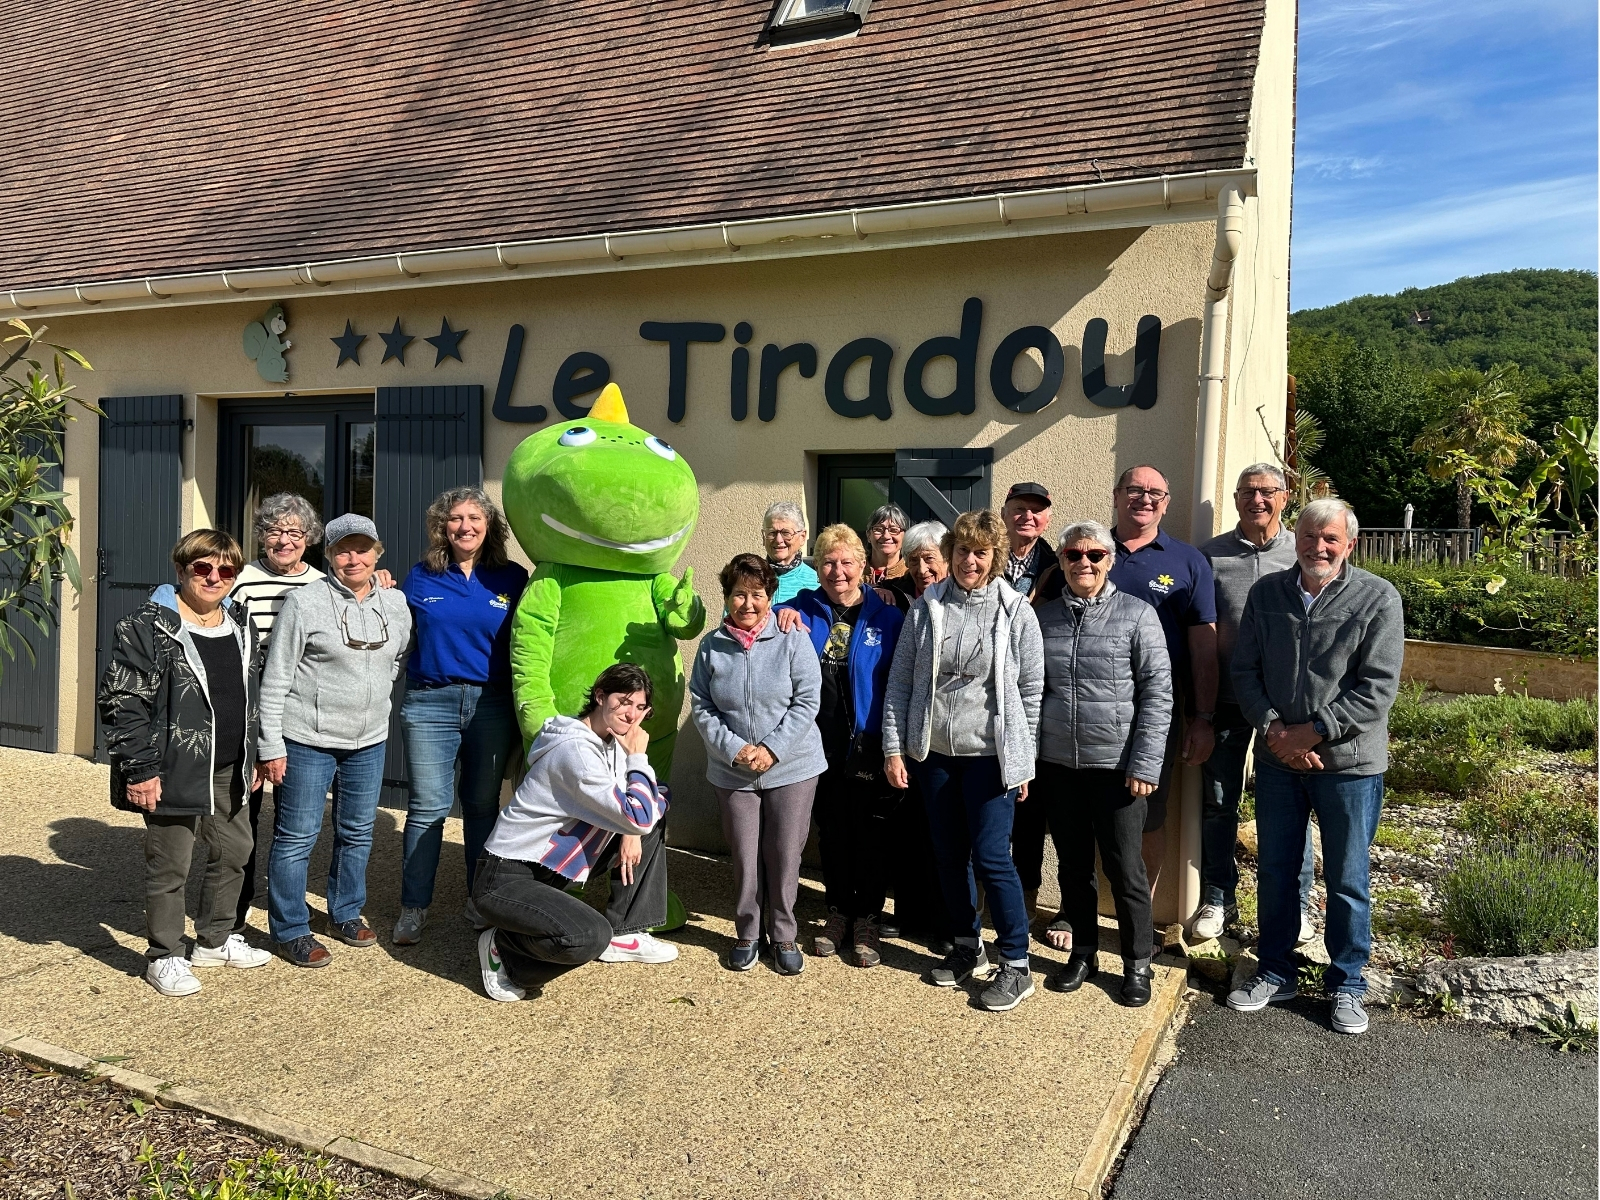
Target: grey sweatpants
<point>766,830</point>
<point>168,851</point>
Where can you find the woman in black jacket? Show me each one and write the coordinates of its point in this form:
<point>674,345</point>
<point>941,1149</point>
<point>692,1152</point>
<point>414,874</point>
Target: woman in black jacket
<point>178,706</point>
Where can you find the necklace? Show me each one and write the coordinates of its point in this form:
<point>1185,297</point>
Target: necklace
<point>211,622</point>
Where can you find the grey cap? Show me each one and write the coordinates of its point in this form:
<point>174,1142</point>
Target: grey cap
<point>349,525</point>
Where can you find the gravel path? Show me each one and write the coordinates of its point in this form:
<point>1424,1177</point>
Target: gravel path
<point>1276,1105</point>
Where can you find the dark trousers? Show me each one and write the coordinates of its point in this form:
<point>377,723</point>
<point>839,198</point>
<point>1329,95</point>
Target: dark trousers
<point>1027,841</point>
<point>853,823</point>
<point>539,922</point>
<point>918,900</point>
<point>247,892</point>
<point>1087,809</point>
<point>169,850</point>
<point>969,819</point>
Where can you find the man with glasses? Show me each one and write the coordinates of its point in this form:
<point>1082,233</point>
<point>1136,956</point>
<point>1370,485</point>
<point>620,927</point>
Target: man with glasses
<point>1259,545</point>
<point>1176,579</point>
<point>783,534</point>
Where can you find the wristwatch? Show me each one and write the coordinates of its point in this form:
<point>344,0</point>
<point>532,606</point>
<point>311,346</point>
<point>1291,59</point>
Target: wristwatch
<point>1322,730</point>
<point>1205,716</point>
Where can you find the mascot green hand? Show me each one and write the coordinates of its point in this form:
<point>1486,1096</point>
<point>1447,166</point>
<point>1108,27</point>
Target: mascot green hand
<point>604,509</point>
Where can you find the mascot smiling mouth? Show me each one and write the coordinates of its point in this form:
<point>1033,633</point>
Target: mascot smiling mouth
<point>635,547</point>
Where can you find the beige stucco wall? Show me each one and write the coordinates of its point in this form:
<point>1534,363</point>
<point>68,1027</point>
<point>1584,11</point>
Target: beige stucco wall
<point>901,296</point>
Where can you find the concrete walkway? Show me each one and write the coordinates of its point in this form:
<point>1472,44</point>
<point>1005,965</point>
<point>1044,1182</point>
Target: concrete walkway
<point>681,1080</point>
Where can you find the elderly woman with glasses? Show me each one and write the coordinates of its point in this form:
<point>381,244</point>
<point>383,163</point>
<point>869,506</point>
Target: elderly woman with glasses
<point>458,714</point>
<point>1102,737</point>
<point>886,531</point>
<point>337,647</point>
<point>178,706</point>
<point>962,705</point>
<point>783,536</point>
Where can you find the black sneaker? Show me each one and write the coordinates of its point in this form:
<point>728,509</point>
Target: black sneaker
<point>1009,988</point>
<point>787,959</point>
<point>305,951</point>
<point>961,964</point>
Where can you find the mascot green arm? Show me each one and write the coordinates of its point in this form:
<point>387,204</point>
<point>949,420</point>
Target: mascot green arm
<point>678,606</point>
<point>533,639</point>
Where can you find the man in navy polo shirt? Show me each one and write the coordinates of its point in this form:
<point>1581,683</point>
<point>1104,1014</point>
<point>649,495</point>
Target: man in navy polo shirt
<point>1175,578</point>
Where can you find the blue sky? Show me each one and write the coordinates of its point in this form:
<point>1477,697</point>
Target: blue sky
<point>1437,139</point>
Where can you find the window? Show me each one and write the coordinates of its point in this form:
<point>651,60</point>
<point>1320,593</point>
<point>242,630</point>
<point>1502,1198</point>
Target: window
<point>930,484</point>
<point>804,20</point>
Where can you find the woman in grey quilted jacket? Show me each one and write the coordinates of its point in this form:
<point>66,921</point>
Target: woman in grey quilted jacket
<point>1102,732</point>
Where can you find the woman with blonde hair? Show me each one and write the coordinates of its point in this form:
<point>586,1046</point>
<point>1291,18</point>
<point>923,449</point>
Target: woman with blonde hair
<point>458,711</point>
<point>963,707</point>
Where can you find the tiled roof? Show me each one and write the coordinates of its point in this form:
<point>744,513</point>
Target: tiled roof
<point>192,135</point>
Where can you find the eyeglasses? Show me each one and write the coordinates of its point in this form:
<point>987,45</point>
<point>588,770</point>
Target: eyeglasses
<point>783,535</point>
<point>1154,495</point>
<point>1265,493</point>
<point>1094,556</point>
<point>201,569</point>
<point>880,530</point>
<point>286,535</point>
<point>356,643</point>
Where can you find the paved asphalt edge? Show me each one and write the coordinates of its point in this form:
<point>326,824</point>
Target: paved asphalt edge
<point>1117,1121</point>
<point>253,1119</point>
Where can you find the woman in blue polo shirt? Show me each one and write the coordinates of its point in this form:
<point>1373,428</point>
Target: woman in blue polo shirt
<point>458,709</point>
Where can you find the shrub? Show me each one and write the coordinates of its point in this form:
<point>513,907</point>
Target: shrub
<point>1542,724</point>
<point>1526,611</point>
<point>268,1176</point>
<point>1451,763</point>
<point>1521,899</point>
<point>1561,821</point>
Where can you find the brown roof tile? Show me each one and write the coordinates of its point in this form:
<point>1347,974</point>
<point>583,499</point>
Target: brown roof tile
<point>191,135</point>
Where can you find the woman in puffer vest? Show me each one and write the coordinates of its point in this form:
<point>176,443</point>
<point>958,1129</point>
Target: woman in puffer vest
<point>1102,733</point>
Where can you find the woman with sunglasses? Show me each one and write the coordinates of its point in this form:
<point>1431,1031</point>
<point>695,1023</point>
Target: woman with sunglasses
<point>1102,737</point>
<point>178,705</point>
<point>337,647</point>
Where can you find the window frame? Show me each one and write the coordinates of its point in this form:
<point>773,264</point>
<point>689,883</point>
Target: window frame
<point>835,22</point>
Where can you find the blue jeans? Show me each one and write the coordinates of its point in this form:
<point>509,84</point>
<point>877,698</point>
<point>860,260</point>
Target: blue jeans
<point>1222,783</point>
<point>1347,808</point>
<point>459,724</point>
<point>298,803</point>
<point>969,822</point>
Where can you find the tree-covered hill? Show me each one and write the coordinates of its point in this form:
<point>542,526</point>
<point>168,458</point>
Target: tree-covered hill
<point>1544,321</point>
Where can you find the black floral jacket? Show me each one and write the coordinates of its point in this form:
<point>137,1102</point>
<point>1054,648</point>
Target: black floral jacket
<point>156,712</point>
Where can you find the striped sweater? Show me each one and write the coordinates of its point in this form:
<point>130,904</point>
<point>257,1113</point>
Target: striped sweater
<point>580,792</point>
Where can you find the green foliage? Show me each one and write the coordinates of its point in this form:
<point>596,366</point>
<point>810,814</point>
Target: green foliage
<point>1568,1032</point>
<point>268,1176</point>
<point>1559,725</point>
<point>1559,820</point>
<point>1410,841</point>
<point>35,523</point>
<point>1453,765</point>
<point>1543,320</point>
<point>1505,606</point>
<point>1312,977</point>
<point>1474,432</point>
<point>1517,899</point>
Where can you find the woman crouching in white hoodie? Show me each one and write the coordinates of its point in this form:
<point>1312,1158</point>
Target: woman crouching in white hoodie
<point>589,802</point>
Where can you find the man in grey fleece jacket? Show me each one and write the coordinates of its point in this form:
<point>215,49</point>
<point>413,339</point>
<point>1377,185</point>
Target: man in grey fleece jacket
<point>1316,670</point>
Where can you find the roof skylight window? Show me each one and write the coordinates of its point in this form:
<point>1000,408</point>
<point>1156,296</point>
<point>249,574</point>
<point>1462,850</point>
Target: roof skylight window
<point>806,20</point>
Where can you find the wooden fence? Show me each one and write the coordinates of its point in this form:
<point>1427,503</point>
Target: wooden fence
<point>1553,555</point>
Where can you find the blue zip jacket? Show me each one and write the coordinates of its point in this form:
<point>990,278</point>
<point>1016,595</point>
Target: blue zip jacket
<point>871,649</point>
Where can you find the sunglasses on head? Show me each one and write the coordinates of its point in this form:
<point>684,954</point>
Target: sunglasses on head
<point>201,569</point>
<point>1093,556</point>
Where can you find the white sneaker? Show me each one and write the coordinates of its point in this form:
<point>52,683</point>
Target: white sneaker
<point>1210,921</point>
<point>496,982</point>
<point>171,976</point>
<point>638,947</point>
<point>1307,929</point>
<point>408,929</point>
<point>235,952</point>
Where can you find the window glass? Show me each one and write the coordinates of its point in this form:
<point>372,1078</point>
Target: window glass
<point>281,458</point>
<point>360,452</point>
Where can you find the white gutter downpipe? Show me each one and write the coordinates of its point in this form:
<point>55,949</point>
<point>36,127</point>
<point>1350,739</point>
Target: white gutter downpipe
<point>1213,360</point>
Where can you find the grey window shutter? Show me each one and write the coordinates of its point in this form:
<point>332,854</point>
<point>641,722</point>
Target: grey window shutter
<point>29,683</point>
<point>429,439</point>
<point>940,485</point>
<point>141,508</point>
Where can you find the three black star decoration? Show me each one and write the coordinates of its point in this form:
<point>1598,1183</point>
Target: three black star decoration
<point>395,343</point>
<point>448,343</point>
<point>349,346</point>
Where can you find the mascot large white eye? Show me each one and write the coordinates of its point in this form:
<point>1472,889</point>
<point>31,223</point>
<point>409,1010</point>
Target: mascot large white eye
<point>578,435</point>
<point>657,446</point>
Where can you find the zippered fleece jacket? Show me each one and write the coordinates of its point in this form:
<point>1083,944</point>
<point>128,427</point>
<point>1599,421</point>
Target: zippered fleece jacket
<point>579,793</point>
<point>1017,680</point>
<point>768,695</point>
<point>1107,684</point>
<point>155,706</point>
<point>317,689</point>
<point>872,644</point>
<point>1339,663</point>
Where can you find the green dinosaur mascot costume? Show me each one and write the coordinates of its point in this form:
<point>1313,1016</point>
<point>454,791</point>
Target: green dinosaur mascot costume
<point>604,509</point>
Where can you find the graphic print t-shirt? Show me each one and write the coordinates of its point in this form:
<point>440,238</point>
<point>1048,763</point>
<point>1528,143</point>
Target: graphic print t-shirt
<point>834,719</point>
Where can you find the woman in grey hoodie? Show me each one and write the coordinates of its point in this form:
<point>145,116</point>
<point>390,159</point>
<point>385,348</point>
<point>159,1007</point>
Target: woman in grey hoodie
<point>963,706</point>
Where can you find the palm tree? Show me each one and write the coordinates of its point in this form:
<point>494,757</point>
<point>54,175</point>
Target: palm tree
<point>1476,430</point>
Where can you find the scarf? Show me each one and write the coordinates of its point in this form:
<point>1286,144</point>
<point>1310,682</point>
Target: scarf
<point>745,637</point>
